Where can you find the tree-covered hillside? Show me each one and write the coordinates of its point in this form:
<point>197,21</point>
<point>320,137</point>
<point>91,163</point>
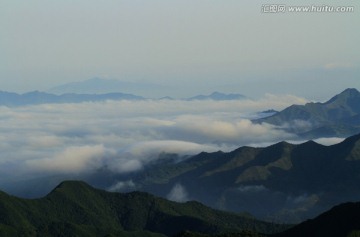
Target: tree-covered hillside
<point>76,209</point>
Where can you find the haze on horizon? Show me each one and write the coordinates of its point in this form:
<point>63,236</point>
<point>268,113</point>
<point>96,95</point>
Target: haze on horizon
<point>187,47</point>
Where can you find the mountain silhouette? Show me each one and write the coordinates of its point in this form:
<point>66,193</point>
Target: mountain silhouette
<point>339,116</point>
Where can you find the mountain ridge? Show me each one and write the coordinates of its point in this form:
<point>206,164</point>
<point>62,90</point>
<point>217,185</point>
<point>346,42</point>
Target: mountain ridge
<point>286,173</point>
<point>339,116</point>
<point>218,96</point>
<point>12,99</point>
<point>74,208</point>
<point>36,97</point>
<point>98,85</point>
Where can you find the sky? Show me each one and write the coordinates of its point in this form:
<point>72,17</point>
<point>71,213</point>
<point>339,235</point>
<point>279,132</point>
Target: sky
<point>186,47</point>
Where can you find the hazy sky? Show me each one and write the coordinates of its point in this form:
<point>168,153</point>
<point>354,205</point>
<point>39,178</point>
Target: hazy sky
<point>190,47</point>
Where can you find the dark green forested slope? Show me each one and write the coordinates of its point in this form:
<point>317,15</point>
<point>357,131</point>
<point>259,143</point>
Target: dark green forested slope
<point>341,221</point>
<point>76,209</point>
<point>282,182</point>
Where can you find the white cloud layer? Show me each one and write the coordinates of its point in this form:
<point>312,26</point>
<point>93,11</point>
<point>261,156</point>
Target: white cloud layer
<point>121,185</point>
<point>124,136</point>
<point>72,160</point>
<point>178,193</point>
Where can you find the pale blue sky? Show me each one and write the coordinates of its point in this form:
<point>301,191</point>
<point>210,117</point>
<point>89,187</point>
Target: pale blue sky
<point>190,47</point>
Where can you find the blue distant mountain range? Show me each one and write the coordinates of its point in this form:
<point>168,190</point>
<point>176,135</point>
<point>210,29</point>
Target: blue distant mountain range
<point>94,90</point>
<point>36,97</point>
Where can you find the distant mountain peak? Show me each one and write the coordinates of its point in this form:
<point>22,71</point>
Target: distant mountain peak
<point>218,96</point>
<point>351,91</point>
<point>348,93</point>
<point>338,117</point>
<point>99,85</point>
<point>68,183</point>
<point>281,144</point>
<point>311,144</point>
<point>216,93</point>
<point>269,111</point>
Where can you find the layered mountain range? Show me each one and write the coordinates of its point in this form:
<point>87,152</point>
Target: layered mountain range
<point>283,182</point>
<point>338,117</point>
<point>104,86</point>
<point>11,99</point>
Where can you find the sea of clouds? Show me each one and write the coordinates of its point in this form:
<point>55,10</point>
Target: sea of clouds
<point>124,136</point>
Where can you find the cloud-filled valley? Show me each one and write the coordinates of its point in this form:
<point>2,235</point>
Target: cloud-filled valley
<point>124,136</point>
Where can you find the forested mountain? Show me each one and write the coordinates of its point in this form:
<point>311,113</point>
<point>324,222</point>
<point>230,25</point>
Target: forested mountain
<point>74,208</point>
<point>340,221</point>
<point>282,182</point>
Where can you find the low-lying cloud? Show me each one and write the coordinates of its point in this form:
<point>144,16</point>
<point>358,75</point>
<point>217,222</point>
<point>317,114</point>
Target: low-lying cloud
<point>73,160</point>
<point>178,193</point>
<point>121,186</point>
<point>125,136</point>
